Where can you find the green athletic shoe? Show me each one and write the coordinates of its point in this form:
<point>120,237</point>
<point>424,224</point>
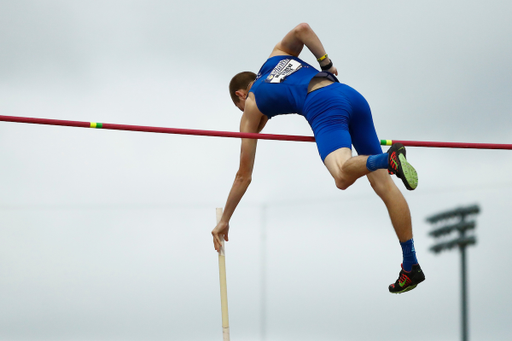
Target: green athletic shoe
<point>398,165</point>
<point>407,280</point>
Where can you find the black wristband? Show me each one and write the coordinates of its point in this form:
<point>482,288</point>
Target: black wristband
<point>328,66</point>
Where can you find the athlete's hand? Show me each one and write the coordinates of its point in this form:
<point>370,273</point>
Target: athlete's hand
<point>221,229</point>
<point>333,70</point>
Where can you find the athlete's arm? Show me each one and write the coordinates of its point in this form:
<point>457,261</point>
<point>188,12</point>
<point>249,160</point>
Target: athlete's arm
<point>252,121</point>
<point>293,43</point>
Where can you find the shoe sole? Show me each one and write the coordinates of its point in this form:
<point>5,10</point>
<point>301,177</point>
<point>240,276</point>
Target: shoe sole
<point>409,288</point>
<point>410,178</point>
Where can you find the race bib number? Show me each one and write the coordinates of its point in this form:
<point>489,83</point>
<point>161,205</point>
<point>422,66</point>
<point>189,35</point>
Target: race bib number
<point>282,70</point>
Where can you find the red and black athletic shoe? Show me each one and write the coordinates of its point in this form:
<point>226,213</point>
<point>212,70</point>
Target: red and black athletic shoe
<point>407,280</point>
<point>398,165</point>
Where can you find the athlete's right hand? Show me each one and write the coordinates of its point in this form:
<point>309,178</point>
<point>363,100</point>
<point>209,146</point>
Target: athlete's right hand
<point>221,229</point>
<point>333,70</point>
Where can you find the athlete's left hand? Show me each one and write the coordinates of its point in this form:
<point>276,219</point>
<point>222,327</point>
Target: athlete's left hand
<point>333,70</point>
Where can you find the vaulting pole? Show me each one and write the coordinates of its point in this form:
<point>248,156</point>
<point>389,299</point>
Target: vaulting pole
<point>182,131</point>
<point>223,285</point>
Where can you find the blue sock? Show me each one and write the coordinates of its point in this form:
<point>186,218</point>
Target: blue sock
<point>409,255</point>
<point>379,161</point>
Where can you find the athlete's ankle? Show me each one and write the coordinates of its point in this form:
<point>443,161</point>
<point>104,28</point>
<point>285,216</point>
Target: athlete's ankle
<point>409,255</point>
<point>379,161</point>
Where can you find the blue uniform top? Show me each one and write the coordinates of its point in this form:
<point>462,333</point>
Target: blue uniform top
<point>281,85</point>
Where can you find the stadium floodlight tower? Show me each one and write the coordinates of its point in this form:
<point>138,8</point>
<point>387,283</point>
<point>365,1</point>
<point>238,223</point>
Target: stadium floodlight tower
<point>444,224</point>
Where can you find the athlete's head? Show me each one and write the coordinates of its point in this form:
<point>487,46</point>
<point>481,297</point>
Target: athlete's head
<point>239,87</point>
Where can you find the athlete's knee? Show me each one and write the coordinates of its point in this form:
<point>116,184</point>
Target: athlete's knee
<point>342,182</point>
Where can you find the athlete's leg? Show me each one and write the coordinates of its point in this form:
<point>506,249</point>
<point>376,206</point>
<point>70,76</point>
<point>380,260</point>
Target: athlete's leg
<point>365,141</point>
<point>339,126</point>
<point>411,273</point>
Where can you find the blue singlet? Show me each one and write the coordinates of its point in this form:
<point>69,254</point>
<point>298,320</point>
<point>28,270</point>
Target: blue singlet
<point>339,115</point>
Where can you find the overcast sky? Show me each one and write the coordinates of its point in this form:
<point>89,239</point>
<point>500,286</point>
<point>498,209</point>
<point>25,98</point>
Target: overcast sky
<point>105,235</point>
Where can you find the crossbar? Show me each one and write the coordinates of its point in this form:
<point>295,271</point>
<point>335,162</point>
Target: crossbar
<point>197,132</point>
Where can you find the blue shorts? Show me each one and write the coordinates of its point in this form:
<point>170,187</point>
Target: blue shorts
<point>341,117</point>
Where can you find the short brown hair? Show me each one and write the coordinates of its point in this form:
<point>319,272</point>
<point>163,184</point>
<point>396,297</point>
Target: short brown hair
<point>240,81</point>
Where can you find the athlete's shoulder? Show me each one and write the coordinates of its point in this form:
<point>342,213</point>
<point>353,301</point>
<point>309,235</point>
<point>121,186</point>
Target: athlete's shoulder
<point>252,116</point>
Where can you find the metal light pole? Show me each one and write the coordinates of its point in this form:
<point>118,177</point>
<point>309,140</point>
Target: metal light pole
<point>445,223</point>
